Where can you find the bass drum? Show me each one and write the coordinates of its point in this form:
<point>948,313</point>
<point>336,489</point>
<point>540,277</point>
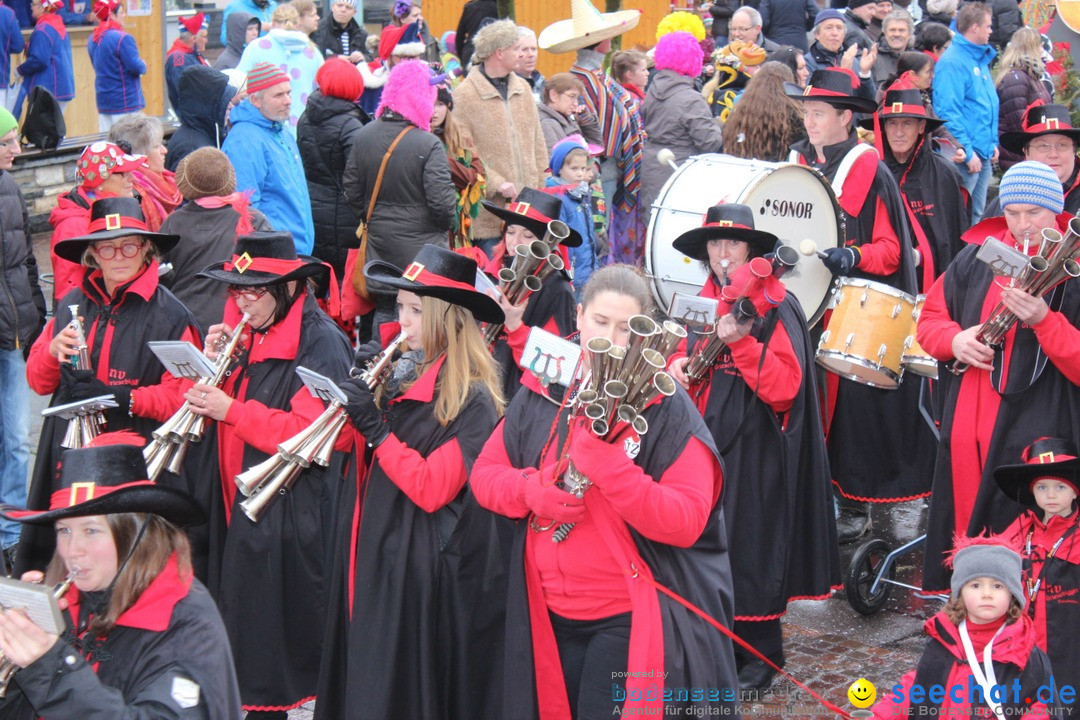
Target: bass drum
<point>792,201</point>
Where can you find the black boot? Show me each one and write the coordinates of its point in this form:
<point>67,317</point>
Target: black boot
<point>853,523</point>
<point>756,675</point>
<point>267,715</point>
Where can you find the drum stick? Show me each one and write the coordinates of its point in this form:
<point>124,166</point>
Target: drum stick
<point>667,157</point>
<point>808,247</point>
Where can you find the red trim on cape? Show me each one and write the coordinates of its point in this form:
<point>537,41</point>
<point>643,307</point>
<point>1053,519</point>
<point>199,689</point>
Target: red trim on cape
<point>154,608</point>
<point>793,598</point>
<point>860,498</point>
<point>273,708</point>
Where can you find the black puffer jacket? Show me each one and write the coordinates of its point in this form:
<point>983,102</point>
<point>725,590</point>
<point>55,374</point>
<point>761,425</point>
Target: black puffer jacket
<point>1016,90</point>
<point>327,37</point>
<point>22,304</point>
<point>325,136</point>
<point>1007,20</point>
<point>204,102</point>
<point>416,202</point>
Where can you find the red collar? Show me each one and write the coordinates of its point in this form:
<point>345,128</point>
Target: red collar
<point>55,22</point>
<point>281,341</point>
<point>635,91</point>
<point>423,390</point>
<point>1012,646</point>
<point>154,608</point>
<point>997,228</point>
<point>144,285</point>
<point>182,46</point>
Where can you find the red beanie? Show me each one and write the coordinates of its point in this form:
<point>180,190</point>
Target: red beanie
<point>264,75</point>
<point>193,24</point>
<point>340,79</point>
<point>103,9</point>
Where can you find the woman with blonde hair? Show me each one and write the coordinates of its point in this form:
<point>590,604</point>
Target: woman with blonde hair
<point>1019,81</point>
<point>415,615</point>
<point>765,122</point>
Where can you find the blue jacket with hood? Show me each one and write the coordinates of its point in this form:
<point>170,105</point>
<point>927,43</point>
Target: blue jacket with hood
<point>268,164</point>
<point>965,97</point>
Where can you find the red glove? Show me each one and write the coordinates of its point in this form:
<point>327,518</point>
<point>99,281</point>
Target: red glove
<point>596,459</point>
<point>550,502</point>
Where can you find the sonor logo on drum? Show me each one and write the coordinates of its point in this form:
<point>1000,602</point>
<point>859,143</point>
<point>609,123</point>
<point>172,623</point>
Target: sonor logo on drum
<point>787,208</point>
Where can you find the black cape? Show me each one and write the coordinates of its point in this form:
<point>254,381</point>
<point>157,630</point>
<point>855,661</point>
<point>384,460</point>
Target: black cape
<point>1046,406</point>
<point>423,634</point>
<point>695,654</point>
<point>777,491</point>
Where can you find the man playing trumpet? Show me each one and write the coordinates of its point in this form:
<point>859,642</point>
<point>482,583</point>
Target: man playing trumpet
<point>1016,390</point>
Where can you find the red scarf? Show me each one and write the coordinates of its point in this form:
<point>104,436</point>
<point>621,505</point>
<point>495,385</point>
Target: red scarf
<point>159,195</point>
<point>237,201</point>
<point>55,22</point>
<point>635,91</point>
<point>105,27</point>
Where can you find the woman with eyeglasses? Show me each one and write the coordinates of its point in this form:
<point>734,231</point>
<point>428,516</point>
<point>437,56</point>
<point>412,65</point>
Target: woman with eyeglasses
<point>271,580</point>
<point>122,307</point>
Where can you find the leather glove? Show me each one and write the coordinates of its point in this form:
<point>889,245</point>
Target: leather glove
<point>365,415</point>
<point>365,352</point>
<point>84,384</point>
<point>550,502</point>
<point>841,261</point>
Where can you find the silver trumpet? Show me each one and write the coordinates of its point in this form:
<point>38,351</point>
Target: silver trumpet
<point>87,425</point>
<point>1056,262</point>
<point>170,442</point>
<point>275,476</point>
<point>531,265</point>
<point>7,667</point>
<point>622,383</point>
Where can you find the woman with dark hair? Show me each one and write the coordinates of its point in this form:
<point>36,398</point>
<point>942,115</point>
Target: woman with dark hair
<point>466,167</point>
<point>143,638</point>
<point>759,398</point>
<point>121,307</point>
<point>932,38</point>
<point>765,122</point>
<point>416,609</point>
<point>587,628</point>
<point>271,584</point>
<point>793,58</point>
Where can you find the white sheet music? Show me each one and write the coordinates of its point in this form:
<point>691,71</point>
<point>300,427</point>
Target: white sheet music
<point>550,358</point>
<point>321,386</point>
<point>182,359</point>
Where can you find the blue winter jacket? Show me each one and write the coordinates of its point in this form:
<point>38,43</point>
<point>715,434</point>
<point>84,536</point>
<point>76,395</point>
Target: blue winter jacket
<point>118,69</point>
<point>48,63</point>
<point>268,164</point>
<point>247,6</point>
<point>11,41</point>
<point>965,97</point>
<point>577,214</point>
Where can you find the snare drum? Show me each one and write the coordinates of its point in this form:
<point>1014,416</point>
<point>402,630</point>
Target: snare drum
<point>915,359</point>
<point>791,201</point>
<point>865,336</point>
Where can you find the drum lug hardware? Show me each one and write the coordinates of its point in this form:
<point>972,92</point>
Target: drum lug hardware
<point>881,352</point>
<point>896,310</point>
<point>850,339</point>
<point>824,338</point>
<point>865,297</point>
<point>908,341</point>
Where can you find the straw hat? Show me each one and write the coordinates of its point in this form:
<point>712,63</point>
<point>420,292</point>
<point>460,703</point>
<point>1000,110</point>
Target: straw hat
<point>586,26</point>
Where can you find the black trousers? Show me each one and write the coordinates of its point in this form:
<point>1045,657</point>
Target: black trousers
<point>590,652</point>
<point>766,636</point>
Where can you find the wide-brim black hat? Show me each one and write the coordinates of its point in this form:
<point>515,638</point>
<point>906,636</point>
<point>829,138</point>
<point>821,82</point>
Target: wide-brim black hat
<point>266,258</point>
<point>730,221</point>
<point>439,273</point>
<point>1040,120</point>
<point>903,104</point>
<point>1046,457</point>
<point>112,218</point>
<point>106,480</point>
<point>836,87</point>
<point>533,209</point>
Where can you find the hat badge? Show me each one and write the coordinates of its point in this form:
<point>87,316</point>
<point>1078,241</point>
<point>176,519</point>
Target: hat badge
<point>243,263</point>
<point>521,208</point>
<point>87,489</point>
<point>413,271</point>
<point>1046,457</point>
<point>898,107</point>
<point>112,221</point>
<point>725,223</point>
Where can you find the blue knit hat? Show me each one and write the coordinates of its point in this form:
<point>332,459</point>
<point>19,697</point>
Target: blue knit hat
<point>828,14</point>
<point>561,150</point>
<point>1032,183</point>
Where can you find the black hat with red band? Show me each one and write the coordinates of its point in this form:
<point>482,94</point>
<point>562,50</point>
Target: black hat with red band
<point>903,103</point>
<point>439,273</point>
<point>112,218</point>
<point>1053,458</point>
<point>266,258</point>
<point>533,209</point>
<point>1040,119</point>
<point>109,479</point>
<point>726,221</point>
<point>837,87</point>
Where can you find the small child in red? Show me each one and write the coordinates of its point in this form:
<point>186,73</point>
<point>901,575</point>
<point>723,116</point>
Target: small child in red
<point>981,645</point>
<point>1047,484</point>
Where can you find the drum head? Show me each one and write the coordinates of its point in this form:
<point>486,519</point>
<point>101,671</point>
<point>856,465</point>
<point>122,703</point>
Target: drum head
<point>791,201</point>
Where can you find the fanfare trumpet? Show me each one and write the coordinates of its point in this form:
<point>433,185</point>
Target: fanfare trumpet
<point>758,293</point>
<point>170,444</point>
<point>275,476</point>
<point>7,667</point>
<point>531,265</point>
<point>1056,262</point>
<point>85,426</point>
<point>622,383</point>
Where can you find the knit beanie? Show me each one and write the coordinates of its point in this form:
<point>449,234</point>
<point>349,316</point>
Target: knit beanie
<point>7,122</point>
<point>988,560</point>
<point>941,7</point>
<point>264,75</point>
<point>193,24</point>
<point>828,14</point>
<point>1032,183</point>
<point>339,78</point>
<point>859,3</point>
<point>445,96</point>
<point>206,172</point>
<point>104,8</point>
<point>562,149</point>
<point>52,5</point>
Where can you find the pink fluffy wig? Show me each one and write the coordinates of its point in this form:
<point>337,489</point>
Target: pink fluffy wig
<point>679,51</point>
<point>409,93</point>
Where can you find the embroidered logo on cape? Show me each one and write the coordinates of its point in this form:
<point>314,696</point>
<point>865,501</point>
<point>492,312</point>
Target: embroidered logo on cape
<point>185,693</point>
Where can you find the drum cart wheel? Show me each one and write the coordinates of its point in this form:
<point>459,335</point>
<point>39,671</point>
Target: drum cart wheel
<point>869,577</point>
